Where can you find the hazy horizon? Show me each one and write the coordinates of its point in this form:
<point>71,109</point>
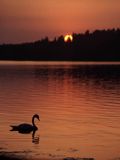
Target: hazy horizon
<point>27,20</point>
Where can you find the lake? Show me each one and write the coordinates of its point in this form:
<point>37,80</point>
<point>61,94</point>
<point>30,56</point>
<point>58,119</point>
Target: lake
<point>78,104</point>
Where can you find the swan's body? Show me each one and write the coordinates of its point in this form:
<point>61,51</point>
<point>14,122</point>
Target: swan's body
<point>25,127</point>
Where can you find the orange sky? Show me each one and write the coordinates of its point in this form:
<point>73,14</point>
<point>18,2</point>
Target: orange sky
<point>29,20</point>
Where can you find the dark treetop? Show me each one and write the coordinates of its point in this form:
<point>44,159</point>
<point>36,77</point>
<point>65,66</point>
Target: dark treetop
<point>100,45</point>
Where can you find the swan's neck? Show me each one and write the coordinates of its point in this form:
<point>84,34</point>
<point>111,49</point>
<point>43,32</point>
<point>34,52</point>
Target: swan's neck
<point>33,121</point>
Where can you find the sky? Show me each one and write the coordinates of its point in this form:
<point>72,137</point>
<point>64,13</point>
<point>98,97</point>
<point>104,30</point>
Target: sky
<point>30,20</point>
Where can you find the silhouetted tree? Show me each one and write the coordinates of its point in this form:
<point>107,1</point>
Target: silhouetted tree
<point>97,45</point>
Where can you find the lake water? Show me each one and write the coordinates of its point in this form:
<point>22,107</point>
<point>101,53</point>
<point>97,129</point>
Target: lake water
<point>78,104</point>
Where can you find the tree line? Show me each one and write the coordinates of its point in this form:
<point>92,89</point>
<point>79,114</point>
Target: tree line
<point>99,45</point>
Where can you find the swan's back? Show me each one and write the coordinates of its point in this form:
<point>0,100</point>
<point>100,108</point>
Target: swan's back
<point>24,128</point>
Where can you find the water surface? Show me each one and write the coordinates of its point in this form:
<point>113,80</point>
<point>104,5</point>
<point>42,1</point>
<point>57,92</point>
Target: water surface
<point>78,104</point>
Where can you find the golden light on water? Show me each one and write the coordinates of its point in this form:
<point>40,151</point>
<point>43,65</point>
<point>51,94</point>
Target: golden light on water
<point>68,38</point>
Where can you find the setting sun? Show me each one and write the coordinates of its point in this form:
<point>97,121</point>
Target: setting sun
<point>68,38</point>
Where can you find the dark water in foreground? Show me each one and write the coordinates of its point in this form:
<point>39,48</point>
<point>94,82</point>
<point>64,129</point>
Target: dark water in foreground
<point>78,104</point>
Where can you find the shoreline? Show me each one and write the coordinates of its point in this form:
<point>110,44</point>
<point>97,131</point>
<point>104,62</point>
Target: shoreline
<point>13,156</point>
<point>32,62</point>
<point>6,157</point>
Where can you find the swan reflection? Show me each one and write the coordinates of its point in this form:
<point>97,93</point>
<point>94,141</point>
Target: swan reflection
<point>35,138</point>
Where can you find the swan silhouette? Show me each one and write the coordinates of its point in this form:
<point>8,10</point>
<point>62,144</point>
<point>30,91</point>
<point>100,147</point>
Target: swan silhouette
<point>25,127</point>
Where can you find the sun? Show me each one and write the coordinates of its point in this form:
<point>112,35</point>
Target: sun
<point>68,38</point>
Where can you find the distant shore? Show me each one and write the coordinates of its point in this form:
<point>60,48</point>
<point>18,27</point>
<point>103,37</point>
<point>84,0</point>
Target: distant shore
<point>100,45</point>
<point>6,157</point>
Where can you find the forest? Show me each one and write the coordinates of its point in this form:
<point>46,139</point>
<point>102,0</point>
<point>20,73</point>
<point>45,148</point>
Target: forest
<point>99,45</point>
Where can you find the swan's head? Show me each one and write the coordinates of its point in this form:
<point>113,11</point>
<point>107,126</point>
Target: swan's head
<point>36,116</point>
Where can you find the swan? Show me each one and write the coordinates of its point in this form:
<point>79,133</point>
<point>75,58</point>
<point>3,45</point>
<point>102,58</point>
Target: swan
<point>25,127</point>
